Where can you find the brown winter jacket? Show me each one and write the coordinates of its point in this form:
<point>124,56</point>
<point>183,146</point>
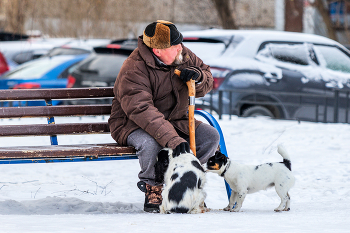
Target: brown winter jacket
<point>153,98</point>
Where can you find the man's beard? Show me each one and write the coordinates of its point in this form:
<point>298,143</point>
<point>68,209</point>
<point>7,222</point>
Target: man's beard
<point>178,58</point>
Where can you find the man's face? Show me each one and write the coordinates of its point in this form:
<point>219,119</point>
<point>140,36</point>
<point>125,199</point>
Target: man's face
<point>170,55</point>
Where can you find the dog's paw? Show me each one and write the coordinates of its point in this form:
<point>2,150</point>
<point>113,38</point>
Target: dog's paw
<point>235,210</point>
<point>205,209</point>
<point>227,208</point>
<point>278,209</point>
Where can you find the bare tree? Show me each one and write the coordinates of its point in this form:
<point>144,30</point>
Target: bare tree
<point>225,13</point>
<point>294,15</point>
<point>319,5</point>
<point>15,15</point>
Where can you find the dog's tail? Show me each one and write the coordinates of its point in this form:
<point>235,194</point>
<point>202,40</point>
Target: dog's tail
<point>286,159</point>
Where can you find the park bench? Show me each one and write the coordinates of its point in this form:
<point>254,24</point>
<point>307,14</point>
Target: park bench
<point>55,152</point>
<point>15,103</point>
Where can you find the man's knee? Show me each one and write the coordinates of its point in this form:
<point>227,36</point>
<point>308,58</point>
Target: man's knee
<point>211,137</point>
<point>142,141</point>
<point>216,137</point>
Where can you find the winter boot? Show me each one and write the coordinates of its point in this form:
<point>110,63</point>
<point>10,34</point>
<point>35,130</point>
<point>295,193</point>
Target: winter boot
<point>153,196</point>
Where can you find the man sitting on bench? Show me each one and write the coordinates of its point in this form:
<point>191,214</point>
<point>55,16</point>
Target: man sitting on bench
<point>149,110</point>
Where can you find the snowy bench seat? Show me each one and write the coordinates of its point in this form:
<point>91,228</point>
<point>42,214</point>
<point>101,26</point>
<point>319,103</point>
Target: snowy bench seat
<point>93,102</point>
<point>87,151</point>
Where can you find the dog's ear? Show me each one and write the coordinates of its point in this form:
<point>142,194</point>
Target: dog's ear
<point>161,165</point>
<point>163,155</point>
<point>220,156</point>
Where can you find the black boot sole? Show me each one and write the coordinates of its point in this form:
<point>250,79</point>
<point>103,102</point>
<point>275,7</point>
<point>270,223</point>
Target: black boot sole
<point>151,209</point>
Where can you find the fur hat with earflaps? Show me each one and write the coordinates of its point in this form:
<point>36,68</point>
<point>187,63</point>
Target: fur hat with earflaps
<point>161,35</point>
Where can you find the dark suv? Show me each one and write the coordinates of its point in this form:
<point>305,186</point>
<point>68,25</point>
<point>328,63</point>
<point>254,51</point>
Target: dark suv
<point>277,74</point>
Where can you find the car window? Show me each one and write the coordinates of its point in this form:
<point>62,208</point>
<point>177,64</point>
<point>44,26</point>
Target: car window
<point>67,71</point>
<point>35,69</point>
<point>285,52</point>
<point>106,65</point>
<point>333,58</point>
<point>23,57</point>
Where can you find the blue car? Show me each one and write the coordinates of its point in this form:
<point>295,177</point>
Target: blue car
<point>47,72</point>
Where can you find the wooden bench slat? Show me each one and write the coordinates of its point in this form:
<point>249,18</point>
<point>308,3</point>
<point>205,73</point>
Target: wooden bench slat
<point>61,110</point>
<point>53,129</point>
<point>65,151</point>
<point>63,93</point>
<point>60,153</point>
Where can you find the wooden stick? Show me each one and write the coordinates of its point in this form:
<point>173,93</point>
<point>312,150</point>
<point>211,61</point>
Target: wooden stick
<point>191,122</point>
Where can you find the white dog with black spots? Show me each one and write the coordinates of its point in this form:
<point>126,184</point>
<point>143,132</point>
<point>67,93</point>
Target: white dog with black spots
<point>246,179</point>
<point>184,180</point>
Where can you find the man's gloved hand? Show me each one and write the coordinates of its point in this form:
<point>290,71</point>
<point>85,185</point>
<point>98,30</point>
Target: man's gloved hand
<point>183,147</point>
<point>190,72</point>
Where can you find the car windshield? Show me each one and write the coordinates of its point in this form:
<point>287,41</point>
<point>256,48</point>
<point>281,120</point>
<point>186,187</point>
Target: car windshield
<point>106,65</point>
<point>333,58</point>
<point>35,69</point>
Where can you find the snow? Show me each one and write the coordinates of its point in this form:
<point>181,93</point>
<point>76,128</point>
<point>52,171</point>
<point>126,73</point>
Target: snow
<point>103,196</point>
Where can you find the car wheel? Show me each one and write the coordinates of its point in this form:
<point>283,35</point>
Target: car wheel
<point>257,111</point>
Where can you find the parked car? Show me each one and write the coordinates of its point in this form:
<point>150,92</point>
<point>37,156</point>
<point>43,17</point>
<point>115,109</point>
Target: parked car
<point>3,64</point>
<point>77,46</point>
<point>23,51</point>
<point>48,72</point>
<point>101,68</point>
<point>277,74</point>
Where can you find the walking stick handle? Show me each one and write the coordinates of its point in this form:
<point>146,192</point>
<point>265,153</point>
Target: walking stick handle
<point>191,122</point>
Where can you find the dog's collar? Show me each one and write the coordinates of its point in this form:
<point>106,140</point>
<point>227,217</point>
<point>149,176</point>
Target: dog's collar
<point>226,168</point>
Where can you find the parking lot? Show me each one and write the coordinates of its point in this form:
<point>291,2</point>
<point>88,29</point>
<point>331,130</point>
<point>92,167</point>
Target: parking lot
<point>281,75</point>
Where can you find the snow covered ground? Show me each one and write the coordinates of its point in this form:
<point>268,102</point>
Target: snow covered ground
<point>103,197</point>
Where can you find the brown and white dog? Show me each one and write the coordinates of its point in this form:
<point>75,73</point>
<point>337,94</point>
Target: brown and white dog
<point>246,179</point>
